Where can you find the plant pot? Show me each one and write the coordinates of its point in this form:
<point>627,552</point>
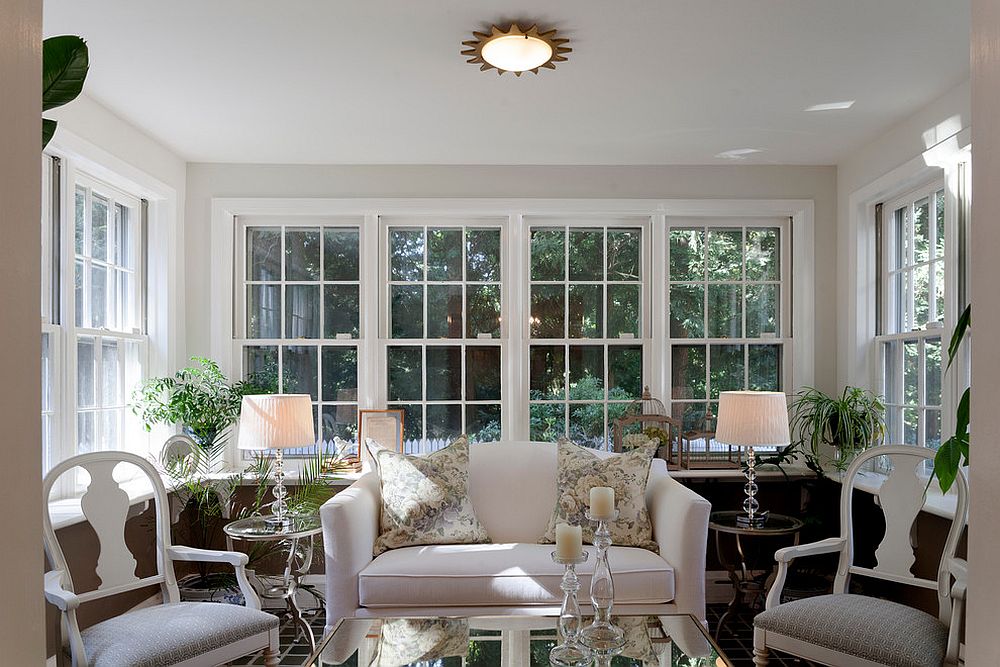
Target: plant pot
<point>214,587</point>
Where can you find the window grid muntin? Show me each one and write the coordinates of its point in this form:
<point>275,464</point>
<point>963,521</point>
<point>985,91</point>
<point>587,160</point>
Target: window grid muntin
<point>898,261</point>
<point>113,269</point>
<point>779,339</point>
<point>463,342</point>
<point>641,341</point>
<point>243,268</point>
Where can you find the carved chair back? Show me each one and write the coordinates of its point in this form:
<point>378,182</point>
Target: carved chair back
<point>901,497</point>
<point>105,505</point>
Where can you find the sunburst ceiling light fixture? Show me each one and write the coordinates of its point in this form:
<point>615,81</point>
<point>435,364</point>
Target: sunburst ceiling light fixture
<point>515,50</point>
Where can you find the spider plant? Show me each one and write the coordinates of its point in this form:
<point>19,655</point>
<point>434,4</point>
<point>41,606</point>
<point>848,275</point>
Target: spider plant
<point>850,423</point>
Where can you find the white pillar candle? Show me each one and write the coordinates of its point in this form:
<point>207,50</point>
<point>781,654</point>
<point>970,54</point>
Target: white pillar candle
<point>602,502</point>
<point>569,541</point>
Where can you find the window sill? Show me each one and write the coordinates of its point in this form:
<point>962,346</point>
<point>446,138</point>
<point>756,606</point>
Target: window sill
<point>935,502</point>
<point>67,512</point>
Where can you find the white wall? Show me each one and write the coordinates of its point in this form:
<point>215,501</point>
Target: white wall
<point>942,119</point>
<point>22,626</point>
<point>984,531</point>
<point>206,181</point>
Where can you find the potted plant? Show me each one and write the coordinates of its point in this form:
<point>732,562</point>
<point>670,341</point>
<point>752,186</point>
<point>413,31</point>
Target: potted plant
<point>201,483</point>
<point>850,423</point>
<point>205,405</point>
<point>199,399</point>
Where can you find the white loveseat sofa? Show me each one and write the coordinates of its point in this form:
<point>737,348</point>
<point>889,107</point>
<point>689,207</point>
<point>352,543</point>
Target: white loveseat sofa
<point>513,489</point>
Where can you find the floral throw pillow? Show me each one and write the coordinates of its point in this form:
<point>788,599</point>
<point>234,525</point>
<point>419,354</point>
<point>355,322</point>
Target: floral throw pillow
<point>404,641</point>
<point>580,470</point>
<point>425,499</point>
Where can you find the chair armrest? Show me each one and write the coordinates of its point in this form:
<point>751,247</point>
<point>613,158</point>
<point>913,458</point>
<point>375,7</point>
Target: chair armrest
<point>54,592</point>
<point>192,554</point>
<point>350,525</point>
<point>236,559</point>
<point>827,546</point>
<point>680,529</point>
<point>788,554</point>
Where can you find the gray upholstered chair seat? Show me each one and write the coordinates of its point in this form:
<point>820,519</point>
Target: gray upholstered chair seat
<point>170,633</point>
<point>866,627</point>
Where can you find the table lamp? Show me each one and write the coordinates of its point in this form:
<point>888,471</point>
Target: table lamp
<point>751,419</point>
<point>278,422</point>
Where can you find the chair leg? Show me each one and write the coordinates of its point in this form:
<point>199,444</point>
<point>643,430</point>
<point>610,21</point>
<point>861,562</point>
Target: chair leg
<point>760,653</point>
<point>270,658</point>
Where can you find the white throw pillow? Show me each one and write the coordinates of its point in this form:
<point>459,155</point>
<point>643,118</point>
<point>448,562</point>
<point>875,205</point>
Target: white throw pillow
<point>580,470</point>
<point>425,499</point>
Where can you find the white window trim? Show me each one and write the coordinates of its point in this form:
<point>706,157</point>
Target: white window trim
<point>164,275</point>
<point>514,291</point>
<point>858,364</point>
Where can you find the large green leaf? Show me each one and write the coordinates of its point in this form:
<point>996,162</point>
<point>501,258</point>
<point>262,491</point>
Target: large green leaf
<point>65,62</point>
<point>48,129</point>
<point>964,321</point>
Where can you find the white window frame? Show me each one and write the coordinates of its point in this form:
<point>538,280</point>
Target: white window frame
<point>226,210</point>
<point>385,288</point>
<point>787,287</point>
<point>643,340</point>
<point>896,406</point>
<point>240,295</point>
<point>164,286</point>
<point>858,354</point>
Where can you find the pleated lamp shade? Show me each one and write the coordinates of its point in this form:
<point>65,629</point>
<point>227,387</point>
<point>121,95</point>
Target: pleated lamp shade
<point>752,419</point>
<point>276,421</point>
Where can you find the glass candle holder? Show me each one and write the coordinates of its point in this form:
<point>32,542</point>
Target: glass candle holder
<point>602,636</point>
<point>570,652</point>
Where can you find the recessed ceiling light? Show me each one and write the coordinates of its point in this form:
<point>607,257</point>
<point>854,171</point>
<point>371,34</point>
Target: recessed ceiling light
<point>515,50</point>
<point>737,153</point>
<point>831,106</point>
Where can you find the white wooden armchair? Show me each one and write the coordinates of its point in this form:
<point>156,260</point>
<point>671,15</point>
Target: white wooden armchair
<point>860,631</point>
<point>172,633</point>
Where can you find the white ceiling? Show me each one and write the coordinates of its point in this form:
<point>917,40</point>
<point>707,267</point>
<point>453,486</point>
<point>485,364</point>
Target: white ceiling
<point>648,81</point>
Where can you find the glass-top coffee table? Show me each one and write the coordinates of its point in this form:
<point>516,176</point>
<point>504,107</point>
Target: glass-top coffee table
<point>521,641</point>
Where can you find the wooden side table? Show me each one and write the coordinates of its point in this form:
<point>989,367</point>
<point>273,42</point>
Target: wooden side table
<point>304,528</point>
<point>740,570</point>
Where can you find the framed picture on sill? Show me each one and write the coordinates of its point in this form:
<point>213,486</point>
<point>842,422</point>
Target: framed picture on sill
<point>383,426</point>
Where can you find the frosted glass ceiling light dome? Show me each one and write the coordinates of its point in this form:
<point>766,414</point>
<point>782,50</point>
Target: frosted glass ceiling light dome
<point>515,50</point>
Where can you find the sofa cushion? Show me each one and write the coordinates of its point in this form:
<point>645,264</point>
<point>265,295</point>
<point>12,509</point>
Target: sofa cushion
<point>166,634</point>
<point>869,628</point>
<point>503,575</point>
<point>425,499</point>
<point>580,470</point>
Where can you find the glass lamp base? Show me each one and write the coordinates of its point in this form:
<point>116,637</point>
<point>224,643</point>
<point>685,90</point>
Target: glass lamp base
<point>601,637</point>
<point>278,521</point>
<point>570,656</point>
<point>757,521</point>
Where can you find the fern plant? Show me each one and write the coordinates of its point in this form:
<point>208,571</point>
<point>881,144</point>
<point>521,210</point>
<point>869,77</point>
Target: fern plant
<point>851,423</point>
<point>199,398</point>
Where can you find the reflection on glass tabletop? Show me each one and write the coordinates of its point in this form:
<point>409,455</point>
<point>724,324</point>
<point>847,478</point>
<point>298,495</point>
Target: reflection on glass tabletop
<point>776,524</point>
<point>677,640</point>
<point>258,528</point>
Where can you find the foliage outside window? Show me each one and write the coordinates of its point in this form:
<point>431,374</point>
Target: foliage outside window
<point>586,329</point>
<point>445,332</point>
<point>302,318</point>
<point>726,286</point>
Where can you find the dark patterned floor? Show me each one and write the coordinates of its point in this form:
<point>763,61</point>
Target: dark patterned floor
<point>735,640</point>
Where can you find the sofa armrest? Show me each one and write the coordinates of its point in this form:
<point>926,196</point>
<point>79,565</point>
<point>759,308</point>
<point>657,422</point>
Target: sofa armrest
<point>350,525</point>
<point>680,528</point>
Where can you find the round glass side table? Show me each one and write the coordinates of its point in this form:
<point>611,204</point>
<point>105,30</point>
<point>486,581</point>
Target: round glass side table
<point>740,570</point>
<point>299,533</point>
